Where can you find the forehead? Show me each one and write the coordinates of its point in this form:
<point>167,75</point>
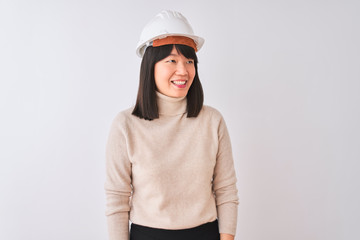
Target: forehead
<point>175,52</point>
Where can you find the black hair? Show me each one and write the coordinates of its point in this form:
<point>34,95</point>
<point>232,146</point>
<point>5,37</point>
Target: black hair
<point>146,106</point>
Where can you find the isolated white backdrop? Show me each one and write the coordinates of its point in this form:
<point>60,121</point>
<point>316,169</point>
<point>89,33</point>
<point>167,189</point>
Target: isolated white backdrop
<point>285,75</point>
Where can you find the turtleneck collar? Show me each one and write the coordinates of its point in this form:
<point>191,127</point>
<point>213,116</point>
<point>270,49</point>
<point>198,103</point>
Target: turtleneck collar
<point>170,106</point>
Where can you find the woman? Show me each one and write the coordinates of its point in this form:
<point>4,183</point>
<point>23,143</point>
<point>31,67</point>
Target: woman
<point>169,164</point>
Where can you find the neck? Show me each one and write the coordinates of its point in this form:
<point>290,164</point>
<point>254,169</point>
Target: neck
<point>170,106</point>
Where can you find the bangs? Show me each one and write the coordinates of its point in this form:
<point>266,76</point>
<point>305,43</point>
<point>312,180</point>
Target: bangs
<point>187,51</point>
<point>162,52</point>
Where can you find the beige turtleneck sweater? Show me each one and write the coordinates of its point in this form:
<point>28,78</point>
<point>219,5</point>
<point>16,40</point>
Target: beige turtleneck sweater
<point>173,172</point>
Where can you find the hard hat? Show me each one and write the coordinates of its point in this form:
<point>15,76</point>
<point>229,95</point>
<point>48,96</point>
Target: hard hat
<point>166,23</point>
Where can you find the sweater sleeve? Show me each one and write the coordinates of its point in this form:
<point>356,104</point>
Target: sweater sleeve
<point>224,183</point>
<point>118,183</point>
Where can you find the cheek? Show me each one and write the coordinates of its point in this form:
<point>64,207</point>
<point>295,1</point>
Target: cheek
<point>162,76</point>
<point>161,70</point>
<point>192,73</point>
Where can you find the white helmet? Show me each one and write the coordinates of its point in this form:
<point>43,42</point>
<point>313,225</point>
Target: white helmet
<point>166,23</point>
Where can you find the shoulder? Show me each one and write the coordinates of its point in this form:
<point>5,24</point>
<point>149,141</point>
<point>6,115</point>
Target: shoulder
<point>123,115</point>
<point>211,112</point>
<point>211,117</point>
<point>215,119</point>
<point>122,119</point>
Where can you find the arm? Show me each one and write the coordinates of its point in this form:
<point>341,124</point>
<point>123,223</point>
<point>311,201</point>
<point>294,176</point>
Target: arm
<point>225,236</point>
<point>224,185</point>
<point>117,184</point>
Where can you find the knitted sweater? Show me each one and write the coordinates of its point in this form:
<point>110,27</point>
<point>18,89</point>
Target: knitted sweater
<point>172,172</point>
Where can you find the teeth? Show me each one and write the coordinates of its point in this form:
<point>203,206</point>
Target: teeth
<point>179,82</point>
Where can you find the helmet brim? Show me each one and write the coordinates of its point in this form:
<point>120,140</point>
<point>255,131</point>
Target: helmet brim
<point>142,45</point>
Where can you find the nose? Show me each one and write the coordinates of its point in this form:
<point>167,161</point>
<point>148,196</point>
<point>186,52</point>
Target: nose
<point>181,69</point>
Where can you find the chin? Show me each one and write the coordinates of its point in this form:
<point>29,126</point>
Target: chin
<point>178,95</point>
<point>174,94</point>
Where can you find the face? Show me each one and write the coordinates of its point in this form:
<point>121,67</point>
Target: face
<point>174,74</point>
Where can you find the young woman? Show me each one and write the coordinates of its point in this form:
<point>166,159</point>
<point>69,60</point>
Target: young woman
<point>169,163</point>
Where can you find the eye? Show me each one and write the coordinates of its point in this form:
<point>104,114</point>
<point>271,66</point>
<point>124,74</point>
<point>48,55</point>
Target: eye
<point>171,61</point>
<point>190,61</point>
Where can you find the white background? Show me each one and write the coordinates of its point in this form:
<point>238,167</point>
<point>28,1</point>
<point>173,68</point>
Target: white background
<point>284,74</point>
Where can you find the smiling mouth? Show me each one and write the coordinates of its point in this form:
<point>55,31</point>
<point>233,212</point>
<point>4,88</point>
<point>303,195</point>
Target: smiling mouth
<point>179,83</point>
